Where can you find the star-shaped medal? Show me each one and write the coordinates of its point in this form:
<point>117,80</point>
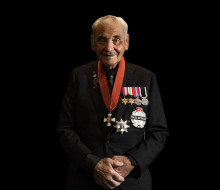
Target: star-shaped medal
<point>121,126</point>
<point>124,100</point>
<point>131,101</point>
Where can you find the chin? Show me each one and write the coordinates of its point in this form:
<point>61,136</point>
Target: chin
<point>106,64</point>
<point>109,62</point>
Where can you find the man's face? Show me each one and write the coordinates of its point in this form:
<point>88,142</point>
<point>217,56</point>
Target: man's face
<point>109,43</point>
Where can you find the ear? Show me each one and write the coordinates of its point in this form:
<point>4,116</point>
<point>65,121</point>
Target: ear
<point>127,42</point>
<point>92,42</point>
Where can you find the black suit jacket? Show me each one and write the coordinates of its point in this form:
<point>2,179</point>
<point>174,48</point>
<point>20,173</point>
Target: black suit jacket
<point>86,138</point>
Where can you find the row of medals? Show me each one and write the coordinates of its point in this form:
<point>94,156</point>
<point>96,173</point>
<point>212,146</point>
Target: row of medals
<point>136,101</point>
<point>130,100</point>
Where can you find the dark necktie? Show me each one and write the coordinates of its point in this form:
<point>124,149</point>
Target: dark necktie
<point>111,80</point>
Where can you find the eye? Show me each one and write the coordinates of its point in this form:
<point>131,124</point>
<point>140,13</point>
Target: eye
<point>101,40</point>
<point>116,40</point>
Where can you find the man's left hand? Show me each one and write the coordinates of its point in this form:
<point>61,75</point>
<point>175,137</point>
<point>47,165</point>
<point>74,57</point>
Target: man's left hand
<point>126,168</point>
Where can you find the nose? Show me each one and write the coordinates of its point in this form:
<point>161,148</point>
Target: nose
<point>109,45</point>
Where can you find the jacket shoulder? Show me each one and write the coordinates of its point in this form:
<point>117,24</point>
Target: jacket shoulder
<point>83,68</point>
<point>142,71</point>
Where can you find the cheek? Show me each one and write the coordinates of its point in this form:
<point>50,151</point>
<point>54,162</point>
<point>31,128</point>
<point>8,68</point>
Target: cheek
<point>99,48</point>
<point>119,49</point>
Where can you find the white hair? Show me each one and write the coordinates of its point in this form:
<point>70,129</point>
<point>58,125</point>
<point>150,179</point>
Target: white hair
<point>110,18</point>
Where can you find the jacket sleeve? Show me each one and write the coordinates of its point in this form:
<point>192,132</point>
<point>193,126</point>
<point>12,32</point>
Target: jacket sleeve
<point>78,153</point>
<point>156,131</point>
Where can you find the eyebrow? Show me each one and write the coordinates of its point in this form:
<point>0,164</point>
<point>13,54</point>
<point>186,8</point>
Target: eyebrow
<point>103,37</point>
<point>117,36</point>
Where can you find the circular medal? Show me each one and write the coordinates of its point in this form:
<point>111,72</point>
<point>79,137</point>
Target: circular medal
<point>145,101</point>
<point>137,101</point>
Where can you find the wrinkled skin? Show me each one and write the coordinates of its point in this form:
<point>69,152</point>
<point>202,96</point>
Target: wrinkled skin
<point>126,168</point>
<point>110,172</point>
<point>110,42</point>
<point>105,175</point>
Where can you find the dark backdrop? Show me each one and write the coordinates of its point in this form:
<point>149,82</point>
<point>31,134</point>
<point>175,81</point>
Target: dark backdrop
<point>56,42</point>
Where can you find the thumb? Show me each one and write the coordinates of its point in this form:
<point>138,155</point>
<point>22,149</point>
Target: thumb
<point>116,163</point>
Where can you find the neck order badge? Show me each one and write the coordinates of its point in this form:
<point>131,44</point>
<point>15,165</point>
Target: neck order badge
<point>111,101</point>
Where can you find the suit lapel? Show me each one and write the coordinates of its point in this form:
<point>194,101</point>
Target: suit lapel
<point>95,94</point>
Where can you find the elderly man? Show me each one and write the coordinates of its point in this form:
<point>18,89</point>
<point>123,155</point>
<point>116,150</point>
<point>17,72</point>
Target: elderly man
<point>112,123</point>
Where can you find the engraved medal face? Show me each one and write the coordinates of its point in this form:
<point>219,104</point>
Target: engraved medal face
<point>145,101</point>
<point>138,118</point>
<point>137,101</point>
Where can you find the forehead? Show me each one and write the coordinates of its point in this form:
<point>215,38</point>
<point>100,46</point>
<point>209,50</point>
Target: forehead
<point>110,29</point>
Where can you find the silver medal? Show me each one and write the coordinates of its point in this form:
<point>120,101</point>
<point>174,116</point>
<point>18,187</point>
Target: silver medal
<point>137,101</point>
<point>121,126</point>
<point>145,101</point>
<point>109,119</point>
<point>138,118</point>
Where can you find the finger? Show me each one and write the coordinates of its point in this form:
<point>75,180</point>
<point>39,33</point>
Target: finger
<point>111,184</point>
<point>116,163</point>
<point>117,177</point>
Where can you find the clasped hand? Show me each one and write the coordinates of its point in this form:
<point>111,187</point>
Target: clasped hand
<point>110,172</point>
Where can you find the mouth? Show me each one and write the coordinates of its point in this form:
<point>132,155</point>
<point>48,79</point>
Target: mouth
<point>109,55</point>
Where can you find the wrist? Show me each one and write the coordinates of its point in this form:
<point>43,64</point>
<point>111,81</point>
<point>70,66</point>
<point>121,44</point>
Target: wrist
<point>132,161</point>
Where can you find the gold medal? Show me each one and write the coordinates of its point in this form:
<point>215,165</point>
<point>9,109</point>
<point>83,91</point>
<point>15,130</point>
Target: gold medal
<point>131,100</point>
<point>124,100</point>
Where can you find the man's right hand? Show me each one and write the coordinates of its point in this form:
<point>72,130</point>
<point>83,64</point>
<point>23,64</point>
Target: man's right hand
<point>105,175</point>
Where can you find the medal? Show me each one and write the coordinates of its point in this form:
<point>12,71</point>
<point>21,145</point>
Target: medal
<point>138,118</point>
<point>130,100</point>
<point>109,119</point>
<point>124,92</point>
<point>121,126</point>
<point>144,99</point>
<point>124,100</point>
<point>111,101</point>
<point>137,101</point>
<point>95,80</point>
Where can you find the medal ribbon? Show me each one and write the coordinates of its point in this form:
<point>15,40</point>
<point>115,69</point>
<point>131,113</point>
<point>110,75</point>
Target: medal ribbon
<point>124,91</point>
<point>133,91</point>
<point>111,101</point>
<point>139,91</point>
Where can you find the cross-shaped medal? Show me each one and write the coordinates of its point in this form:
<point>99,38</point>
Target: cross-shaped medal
<point>109,119</point>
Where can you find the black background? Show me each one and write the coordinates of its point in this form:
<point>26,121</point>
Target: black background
<point>51,42</point>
